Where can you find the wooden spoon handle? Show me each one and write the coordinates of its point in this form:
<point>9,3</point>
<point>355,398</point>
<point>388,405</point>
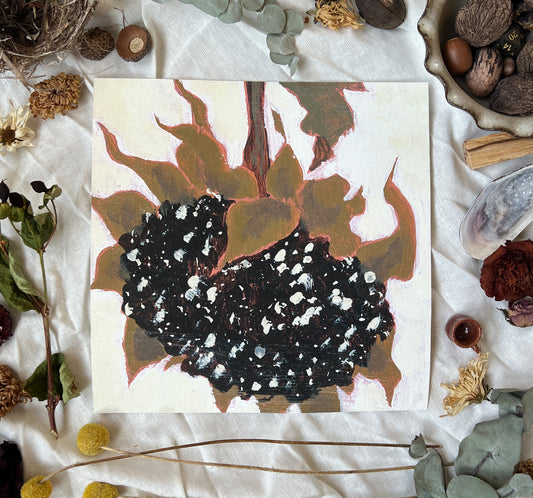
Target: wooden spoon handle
<point>495,148</point>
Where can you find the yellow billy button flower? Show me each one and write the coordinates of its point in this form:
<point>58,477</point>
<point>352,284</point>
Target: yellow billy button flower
<point>100,490</point>
<point>34,488</point>
<point>91,438</point>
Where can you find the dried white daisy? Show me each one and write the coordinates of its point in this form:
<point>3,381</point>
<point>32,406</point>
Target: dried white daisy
<point>13,130</point>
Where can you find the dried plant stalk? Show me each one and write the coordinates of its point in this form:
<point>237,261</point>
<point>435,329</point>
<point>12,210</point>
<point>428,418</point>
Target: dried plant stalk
<point>31,30</point>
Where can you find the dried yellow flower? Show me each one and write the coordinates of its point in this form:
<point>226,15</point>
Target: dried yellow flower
<point>13,130</point>
<point>524,467</point>
<point>336,14</point>
<point>469,389</point>
<point>34,488</point>
<point>100,490</point>
<point>91,438</point>
<point>11,391</point>
<point>58,94</point>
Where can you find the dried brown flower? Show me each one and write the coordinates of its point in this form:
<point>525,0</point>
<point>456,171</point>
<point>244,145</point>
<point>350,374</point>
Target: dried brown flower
<point>6,325</point>
<point>524,467</point>
<point>58,94</point>
<point>336,14</point>
<point>11,391</point>
<point>469,389</point>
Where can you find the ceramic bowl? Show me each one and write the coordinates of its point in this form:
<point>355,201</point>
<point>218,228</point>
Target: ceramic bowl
<point>436,27</point>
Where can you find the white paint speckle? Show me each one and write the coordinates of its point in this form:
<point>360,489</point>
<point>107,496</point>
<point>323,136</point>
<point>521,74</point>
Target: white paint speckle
<point>374,323</point>
<point>274,382</point>
<point>306,317</point>
<point>296,297</point>
<point>181,213</point>
<point>309,247</point>
<point>142,284</point>
<point>307,259</point>
<point>178,255</point>
<point>266,324</point>
<point>187,238</point>
<point>354,277</point>
<point>219,371</point>
<point>259,352</point>
<point>212,294</point>
<point>256,386</point>
<point>127,309</point>
<point>280,256</point>
<point>210,341</point>
<point>370,277</point>
<point>132,255</point>
<point>297,268</point>
<point>281,268</point>
<point>306,280</point>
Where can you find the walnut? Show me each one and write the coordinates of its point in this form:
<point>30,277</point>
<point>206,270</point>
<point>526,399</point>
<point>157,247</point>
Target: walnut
<point>482,22</point>
<point>513,96</point>
<point>524,61</point>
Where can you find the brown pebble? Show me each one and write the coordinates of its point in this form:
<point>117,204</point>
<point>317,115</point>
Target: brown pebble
<point>457,55</point>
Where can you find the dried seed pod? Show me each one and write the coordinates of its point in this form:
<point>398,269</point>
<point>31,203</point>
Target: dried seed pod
<point>385,14</point>
<point>95,44</point>
<point>524,61</point>
<point>133,43</point>
<point>513,96</point>
<point>482,22</point>
<point>485,72</point>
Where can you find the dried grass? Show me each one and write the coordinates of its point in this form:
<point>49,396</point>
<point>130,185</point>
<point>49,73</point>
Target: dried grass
<point>31,30</point>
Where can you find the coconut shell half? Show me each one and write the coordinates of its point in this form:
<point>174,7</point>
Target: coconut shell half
<point>133,43</point>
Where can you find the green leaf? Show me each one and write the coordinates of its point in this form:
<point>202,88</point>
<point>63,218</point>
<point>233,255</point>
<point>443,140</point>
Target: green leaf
<point>418,447</point>
<point>293,65</point>
<point>233,13</point>
<point>37,230</point>
<point>519,485</point>
<point>70,390</point>
<point>252,4</point>
<point>37,385</point>
<point>282,60</point>
<point>527,401</point>
<point>429,477</point>
<point>20,279</point>
<point>492,450</point>
<point>281,43</point>
<point>5,210</point>
<point>211,7</point>
<point>294,24</point>
<point>508,402</point>
<point>272,19</point>
<point>469,487</point>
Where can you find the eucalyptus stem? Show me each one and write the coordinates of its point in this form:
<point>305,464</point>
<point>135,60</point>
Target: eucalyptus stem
<point>45,313</point>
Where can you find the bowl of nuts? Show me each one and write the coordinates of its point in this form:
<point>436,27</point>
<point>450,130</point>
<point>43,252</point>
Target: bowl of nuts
<point>482,52</point>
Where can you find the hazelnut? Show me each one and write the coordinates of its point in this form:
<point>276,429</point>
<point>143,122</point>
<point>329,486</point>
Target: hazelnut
<point>457,56</point>
<point>133,43</point>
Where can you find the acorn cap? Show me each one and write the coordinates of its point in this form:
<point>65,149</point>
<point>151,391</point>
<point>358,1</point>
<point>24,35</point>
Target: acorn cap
<point>95,44</point>
<point>133,43</point>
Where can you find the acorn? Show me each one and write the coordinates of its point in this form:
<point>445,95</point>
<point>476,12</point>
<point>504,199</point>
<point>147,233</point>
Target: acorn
<point>133,43</point>
<point>95,44</point>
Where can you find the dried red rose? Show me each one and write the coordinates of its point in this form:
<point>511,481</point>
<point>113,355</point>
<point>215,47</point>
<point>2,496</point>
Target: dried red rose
<point>520,312</point>
<point>6,325</point>
<point>507,274</point>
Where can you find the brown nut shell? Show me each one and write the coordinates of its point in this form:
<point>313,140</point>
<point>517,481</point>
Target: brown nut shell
<point>95,44</point>
<point>509,67</point>
<point>513,96</point>
<point>133,43</point>
<point>524,61</point>
<point>457,56</point>
<point>384,14</point>
<point>485,73</point>
<point>482,22</point>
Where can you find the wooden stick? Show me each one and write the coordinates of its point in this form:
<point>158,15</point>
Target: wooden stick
<point>495,148</point>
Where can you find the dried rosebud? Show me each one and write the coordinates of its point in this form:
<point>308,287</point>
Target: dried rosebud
<point>16,200</point>
<point>520,312</point>
<point>39,187</point>
<point>507,274</point>
<point>6,325</point>
<point>4,192</point>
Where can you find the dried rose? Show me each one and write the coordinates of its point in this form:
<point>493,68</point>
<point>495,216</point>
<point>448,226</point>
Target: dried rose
<point>507,274</point>
<point>520,312</point>
<point>6,325</point>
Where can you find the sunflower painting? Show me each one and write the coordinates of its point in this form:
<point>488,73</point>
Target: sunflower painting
<point>260,247</point>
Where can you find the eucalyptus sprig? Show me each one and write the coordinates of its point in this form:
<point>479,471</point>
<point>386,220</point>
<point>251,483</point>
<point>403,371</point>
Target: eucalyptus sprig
<point>52,380</point>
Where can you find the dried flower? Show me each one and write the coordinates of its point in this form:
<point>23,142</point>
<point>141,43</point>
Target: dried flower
<point>507,274</point>
<point>58,94</point>
<point>469,389</point>
<point>6,325</point>
<point>34,488</point>
<point>91,438</point>
<point>524,467</point>
<point>11,391</point>
<point>335,14</point>
<point>100,490</point>
<point>13,130</point>
<point>520,312</point>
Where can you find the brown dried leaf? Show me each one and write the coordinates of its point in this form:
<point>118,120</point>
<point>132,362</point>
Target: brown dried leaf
<point>107,270</point>
<point>285,176</point>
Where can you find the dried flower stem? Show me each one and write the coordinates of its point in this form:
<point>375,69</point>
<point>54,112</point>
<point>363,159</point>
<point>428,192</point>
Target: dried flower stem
<point>147,454</point>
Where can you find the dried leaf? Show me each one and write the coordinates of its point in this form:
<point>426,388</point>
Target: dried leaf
<point>285,176</point>
<point>107,276</point>
<point>254,225</point>
<point>122,211</point>
<point>11,471</point>
<point>70,390</point>
<point>278,124</point>
<point>198,107</point>
<point>164,179</point>
<point>429,477</point>
<point>492,450</point>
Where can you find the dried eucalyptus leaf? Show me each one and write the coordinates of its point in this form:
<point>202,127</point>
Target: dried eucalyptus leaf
<point>281,59</point>
<point>492,450</point>
<point>211,7</point>
<point>527,402</point>
<point>252,4</point>
<point>519,485</point>
<point>508,402</point>
<point>233,13</point>
<point>429,477</point>
<point>281,44</point>
<point>473,487</point>
<point>418,447</point>
<point>294,24</point>
<point>272,19</point>
<point>293,65</point>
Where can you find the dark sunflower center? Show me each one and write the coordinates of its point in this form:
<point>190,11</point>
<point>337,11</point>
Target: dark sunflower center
<point>7,136</point>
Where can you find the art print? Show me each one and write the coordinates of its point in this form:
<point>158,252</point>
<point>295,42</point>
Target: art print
<point>260,246</point>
